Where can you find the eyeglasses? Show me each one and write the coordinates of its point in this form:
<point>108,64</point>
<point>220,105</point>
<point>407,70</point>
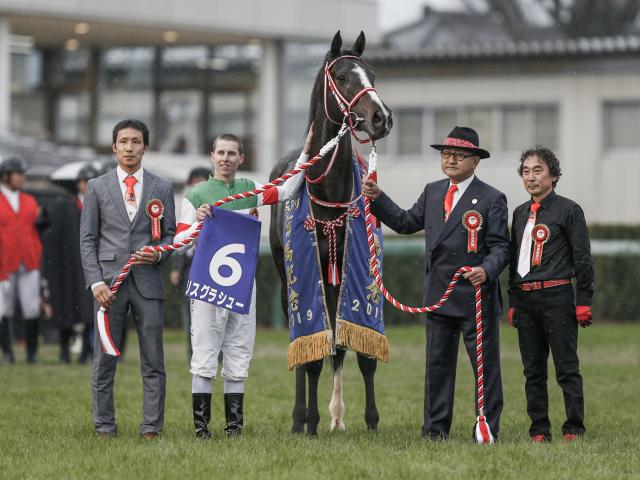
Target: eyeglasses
<point>457,156</point>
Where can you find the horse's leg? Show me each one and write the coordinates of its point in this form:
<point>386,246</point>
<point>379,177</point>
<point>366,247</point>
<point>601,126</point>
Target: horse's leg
<point>368,369</point>
<point>336,406</point>
<point>313,415</point>
<point>299,413</point>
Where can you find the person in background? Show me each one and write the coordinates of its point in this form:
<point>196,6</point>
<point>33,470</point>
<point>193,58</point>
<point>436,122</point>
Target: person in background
<point>549,247</point>
<point>180,264</point>
<point>20,256</point>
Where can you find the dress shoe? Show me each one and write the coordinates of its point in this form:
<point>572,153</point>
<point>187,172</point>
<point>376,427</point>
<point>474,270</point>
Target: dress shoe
<point>541,438</point>
<point>149,436</point>
<point>105,434</point>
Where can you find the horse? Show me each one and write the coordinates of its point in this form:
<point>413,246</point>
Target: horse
<point>330,181</point>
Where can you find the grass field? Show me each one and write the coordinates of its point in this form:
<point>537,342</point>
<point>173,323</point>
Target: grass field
<point>46,429</point>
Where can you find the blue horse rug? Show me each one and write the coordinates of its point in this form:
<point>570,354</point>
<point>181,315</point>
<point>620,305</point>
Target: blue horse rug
<point>359,319</point>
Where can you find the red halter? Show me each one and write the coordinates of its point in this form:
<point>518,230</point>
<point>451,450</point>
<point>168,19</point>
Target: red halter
<point>344,104</point>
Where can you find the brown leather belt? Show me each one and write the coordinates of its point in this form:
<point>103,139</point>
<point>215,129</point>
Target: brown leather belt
<point>530,286</point>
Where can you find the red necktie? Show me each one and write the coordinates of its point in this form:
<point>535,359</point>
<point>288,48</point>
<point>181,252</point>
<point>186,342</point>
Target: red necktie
<point>130,195</point>
<point>448,201</point>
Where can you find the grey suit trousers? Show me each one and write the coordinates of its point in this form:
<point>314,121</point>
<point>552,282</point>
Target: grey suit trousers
<point>148,314</point>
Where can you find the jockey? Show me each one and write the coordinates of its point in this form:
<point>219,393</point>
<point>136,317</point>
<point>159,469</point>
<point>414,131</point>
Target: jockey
<point>215,329</point>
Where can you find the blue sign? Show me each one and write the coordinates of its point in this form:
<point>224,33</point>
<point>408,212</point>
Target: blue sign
<point>224,263</point>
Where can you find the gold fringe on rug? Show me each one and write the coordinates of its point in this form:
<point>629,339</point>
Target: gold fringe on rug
<point>310,348</point>
<point>362,340</point>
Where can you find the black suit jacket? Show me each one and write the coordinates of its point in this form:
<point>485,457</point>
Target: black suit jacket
<point>446,243</point>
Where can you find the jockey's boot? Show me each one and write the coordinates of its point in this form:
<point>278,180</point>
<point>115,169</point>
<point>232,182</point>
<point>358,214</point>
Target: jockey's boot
<point>234,413</point>
<point>5,340</point>
<point>31,328</point>
<point>202,414</point>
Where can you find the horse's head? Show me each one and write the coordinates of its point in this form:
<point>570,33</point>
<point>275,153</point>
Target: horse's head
<point>348,84</point>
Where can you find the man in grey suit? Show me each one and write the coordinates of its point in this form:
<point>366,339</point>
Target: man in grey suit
<point>116,225</point>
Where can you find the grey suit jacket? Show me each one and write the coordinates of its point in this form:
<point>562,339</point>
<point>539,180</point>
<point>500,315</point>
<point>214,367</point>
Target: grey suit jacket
<point>108,238</point>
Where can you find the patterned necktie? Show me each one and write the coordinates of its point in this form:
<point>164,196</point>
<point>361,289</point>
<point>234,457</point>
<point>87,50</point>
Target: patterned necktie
<point>524,258</point>
<point>130,194</point>
<point>448,201</point>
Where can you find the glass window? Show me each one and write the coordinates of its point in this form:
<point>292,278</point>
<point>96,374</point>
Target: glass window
<point>443,123</point>
<point>621,125</point>
<point>409,125</point>
<point>514,128</point>
<point>481,120</point>
<point>180,121</point>
<point>546,127</point>
<point>72,118</point>
<point>116,105</point>
<point>232,112</point>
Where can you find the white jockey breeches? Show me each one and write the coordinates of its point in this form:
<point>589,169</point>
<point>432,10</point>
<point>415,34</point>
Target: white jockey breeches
<point>25,285</point>
<point>214,329</point>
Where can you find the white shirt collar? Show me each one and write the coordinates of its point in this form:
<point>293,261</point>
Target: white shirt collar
<point>122,174</point>
<point>462,186</point>
<point>8,192</point>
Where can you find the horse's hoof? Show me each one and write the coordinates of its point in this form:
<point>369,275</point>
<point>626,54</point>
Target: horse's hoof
<point>372,427</point>
<point>339,424</point>
<point>297,428</point>
<point>312,431</point>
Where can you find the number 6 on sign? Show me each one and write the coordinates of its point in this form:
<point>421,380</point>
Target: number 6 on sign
<point>225,260</point>
<point>222,258</point>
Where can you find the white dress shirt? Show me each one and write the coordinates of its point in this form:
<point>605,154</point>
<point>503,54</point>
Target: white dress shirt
<point>13,197</point>
<point>462,187</point>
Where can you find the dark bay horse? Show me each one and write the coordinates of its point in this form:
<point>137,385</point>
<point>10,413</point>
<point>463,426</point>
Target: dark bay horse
<point>353,80</point>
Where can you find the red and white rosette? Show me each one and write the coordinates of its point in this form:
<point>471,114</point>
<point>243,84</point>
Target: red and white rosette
<point>472,221</point>
<point>155,210</point>
<point>540,234</point>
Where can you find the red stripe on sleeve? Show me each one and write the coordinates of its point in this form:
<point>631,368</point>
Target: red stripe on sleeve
<point>270,196</point>
<point>182,227</point>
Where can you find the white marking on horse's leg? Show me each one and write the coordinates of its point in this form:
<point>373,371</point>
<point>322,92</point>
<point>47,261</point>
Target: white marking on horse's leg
<point>366,83</point>
<point>336,406</point>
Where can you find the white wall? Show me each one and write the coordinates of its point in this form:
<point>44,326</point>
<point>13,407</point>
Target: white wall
<point>606,184</point>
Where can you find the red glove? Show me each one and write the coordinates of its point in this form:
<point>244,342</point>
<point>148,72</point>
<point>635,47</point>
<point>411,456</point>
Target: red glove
<point>511,315</point>
<point>583,315</point>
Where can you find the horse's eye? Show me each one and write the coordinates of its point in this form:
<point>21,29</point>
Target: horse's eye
<point>341,77</point>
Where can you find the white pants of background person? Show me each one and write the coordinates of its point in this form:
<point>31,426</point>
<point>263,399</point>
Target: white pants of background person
<point>213,329</point>
<point>26,286</point>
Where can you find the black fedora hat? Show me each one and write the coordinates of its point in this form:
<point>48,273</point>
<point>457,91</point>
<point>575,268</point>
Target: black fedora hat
<point>466,138</point>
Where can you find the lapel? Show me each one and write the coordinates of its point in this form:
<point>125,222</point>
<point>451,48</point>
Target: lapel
<point>435,205</point>
<point>116,194</point>
<point>463,205</point>
<point>148,186</point>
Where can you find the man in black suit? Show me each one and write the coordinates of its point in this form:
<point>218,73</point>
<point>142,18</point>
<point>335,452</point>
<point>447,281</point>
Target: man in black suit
<point>465,223</point>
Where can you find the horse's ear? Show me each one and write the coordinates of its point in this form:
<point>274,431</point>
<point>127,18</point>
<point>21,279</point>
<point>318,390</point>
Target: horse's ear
<point>358,46</point>
<point>336,44</point>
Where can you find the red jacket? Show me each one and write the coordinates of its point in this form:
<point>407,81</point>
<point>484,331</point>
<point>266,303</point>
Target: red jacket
<point>19,240</point>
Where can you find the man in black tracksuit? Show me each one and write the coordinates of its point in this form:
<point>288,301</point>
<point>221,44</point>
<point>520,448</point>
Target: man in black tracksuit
<point>549,246</point>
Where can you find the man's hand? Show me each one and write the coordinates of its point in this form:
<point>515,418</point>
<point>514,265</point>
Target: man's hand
<point>104,296</point>
<point>204,211</point>
<point>511,316</point>
<point>583,315</point>
<point>477,276</point>
<point>254,212</point>
<point>307,142</point>
<point>143,257</point>
<point>370,188</point>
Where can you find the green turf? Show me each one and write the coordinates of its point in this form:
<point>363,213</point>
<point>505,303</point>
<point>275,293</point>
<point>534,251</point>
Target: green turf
<point>46,429</point>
